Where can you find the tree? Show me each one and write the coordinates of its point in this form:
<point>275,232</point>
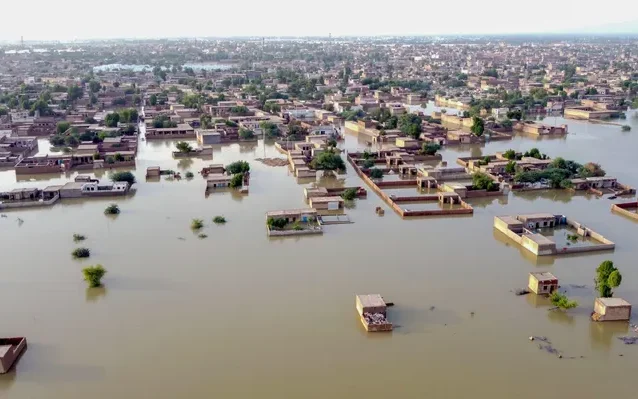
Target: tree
<point>430,148</point>
<point>561,301</point>
<point>376,173</point>
<point>270,129</point>
<point>509,154</point>
<point>62,127</point>
<point>626,128</point>
<point>238,167</point>
<point>276,223</point>
<point>93,275</point>
<point>349,194</point>
<point>481,181</point>
<point>123,176</point>
<point>112,119</point>
<point>510,167</point>
<point>94,86</point>
<point>368,163</point>
<point>184,147</point>
<point>128,115</point>
<point>246,134</point>
<point>74,92</point>
<point>515,114</point>
<point>236,181</point>
<point>219,220</point>
<point>491,72</point>
<point>328,160</point>
<point>591,169</point>
<point>153,100</point>
<point>410,124</point>
<point>478,126</point>
<point>118,157</point>
<point>607,278</point>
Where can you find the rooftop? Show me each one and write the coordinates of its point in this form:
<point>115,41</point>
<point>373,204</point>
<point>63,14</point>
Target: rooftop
<point>371,300</point>
<point>543,276</point>
<point>613,302</point>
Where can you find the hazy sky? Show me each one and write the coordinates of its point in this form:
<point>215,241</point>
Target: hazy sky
<point>79,19</point>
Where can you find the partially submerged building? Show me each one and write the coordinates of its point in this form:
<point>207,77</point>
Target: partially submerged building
<point>524,230</point>
<point>611,309</point>
<point>10,351</point>
<point>372,311</point>
<point>542,283</point>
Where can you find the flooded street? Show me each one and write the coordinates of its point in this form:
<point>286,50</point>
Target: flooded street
<point>239,315</point>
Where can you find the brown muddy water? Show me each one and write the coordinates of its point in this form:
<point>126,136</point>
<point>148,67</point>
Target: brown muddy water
<point>239,315</point>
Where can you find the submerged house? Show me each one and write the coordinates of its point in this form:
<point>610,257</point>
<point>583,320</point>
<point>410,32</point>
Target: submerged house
<point>372,311</point>
<point>10,351</point>
<point>542,283</point>
<point>611,309</point>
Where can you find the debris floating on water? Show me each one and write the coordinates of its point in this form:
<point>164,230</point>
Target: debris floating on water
<point>521,291</point>
<point>629,340</point>
<point>432,308</point>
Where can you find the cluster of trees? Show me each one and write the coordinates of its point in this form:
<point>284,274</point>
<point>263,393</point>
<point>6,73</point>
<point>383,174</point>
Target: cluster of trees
<point>271,107</point>
<point>238,167</point>
<point>239,110</point>
<point>352,115</point>
<point>481,181</point>
<point>376,173</point>
<point>385,118</point>
<point>183,147</point>
<point>71,138</point>
<point>163,121</point>
<point>123,176</point>
<point>276,223</point>
<point>430,148</point>
<point>270,129</point>
<point>560,172</point>
<point>246,134</point>
<point>127,115</point>
<point>328,160</point>
<point>410,124</point>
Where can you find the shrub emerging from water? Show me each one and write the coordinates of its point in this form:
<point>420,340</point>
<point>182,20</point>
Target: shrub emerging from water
<point>81,253</point>
<point>561,301</point>
<point>350,194</point>
<point>277,223</point>
<point>376,173</point>
<point>236,181</point>
<point>112,209</point>
<point>368,163</point>
<point>197,224</point>
<point>219,220</point>
<point>78,237</point>
<point>93,275</point>
<point>189,175</point>
<point>626,128</point>
<point>202,236</point>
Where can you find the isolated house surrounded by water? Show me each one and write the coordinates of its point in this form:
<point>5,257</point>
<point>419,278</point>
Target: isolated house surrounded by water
<point>611,309</point>
<point>372,311</point>
<point>542,283</point>
<point>10,350</point>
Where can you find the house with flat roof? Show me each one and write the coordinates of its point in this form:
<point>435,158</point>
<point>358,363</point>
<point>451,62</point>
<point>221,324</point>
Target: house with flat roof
<point>372,311</point>
<point>542,283</point>
<point>218,180</point>
<point>611,309</point>
<point>10,351</point>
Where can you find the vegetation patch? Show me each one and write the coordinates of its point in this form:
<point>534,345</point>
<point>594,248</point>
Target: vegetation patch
<point>81,253</point>
<point>93,275</point>
<point>219,220</point>
<point>112,209</point>
<point>78,237</point>
<point>197,224</point>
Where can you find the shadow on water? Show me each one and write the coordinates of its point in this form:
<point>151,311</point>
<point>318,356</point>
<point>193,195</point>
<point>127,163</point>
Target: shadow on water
<point>561,317</point>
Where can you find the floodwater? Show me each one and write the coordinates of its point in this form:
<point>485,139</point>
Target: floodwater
<point>239,315</point>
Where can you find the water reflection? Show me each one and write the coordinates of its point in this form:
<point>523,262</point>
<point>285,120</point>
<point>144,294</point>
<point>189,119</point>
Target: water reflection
<point>604,334</point>
<point>538,301</point>
<point>185,163</point>
<point>94,294</point>
<point>563,196</point>
<point>527,255</point>
<point>561,317</point>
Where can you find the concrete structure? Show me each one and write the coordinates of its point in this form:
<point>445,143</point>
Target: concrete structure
<point>540,129</point>
<point>10,351</point>
<point>522,229</point>
<point>628,209</point>
<point>208,137</point>
<point>182,131</point>
<point>611,309</point>
<point>217,180</point>
<point>587,113</point>
<point>327,203</point>
<point>372,311</point>
<point>542,283</point>
<point>307,219</point>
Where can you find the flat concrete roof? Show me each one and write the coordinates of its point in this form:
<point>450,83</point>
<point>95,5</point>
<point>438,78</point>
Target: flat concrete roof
<point>540,239</point>
<point>371,300</point>
<point>533,216</point>
<point>4,349</point>
<point>543,276</point>
<point>613,302</point>
<point>510,220</point>
<point>326,199</point>
<point>291,212</point>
